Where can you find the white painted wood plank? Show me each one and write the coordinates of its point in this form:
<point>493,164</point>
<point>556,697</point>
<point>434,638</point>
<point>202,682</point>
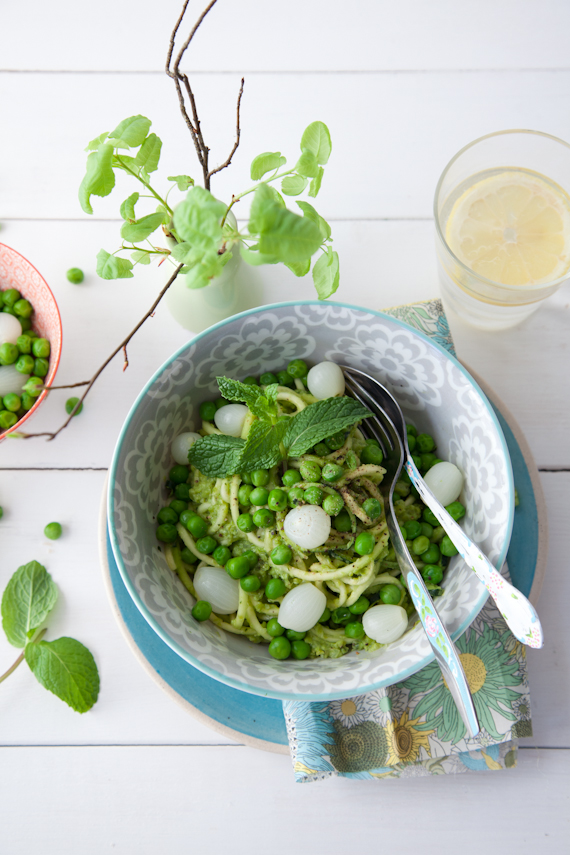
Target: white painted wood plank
<point>149,800</point>
<point>390,142</point>
<point>322,34</point>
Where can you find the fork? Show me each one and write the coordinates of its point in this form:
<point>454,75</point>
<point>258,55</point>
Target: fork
<point>383,430</point>
<point>519,614</point>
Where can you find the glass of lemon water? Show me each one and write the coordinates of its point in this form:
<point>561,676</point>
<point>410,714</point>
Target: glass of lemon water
<point>502,216</point>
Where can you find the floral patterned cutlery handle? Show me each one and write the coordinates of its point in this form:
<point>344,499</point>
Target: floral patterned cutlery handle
<point>517,611</point>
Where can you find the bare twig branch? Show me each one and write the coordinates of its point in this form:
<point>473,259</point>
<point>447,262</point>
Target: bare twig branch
<point>238,134</point>
<point>122,346</point>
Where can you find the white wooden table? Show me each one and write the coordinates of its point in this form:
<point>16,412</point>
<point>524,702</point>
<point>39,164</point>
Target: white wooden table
<point>402,87</point>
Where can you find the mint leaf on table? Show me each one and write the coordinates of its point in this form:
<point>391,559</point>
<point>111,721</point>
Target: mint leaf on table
<point>217,455</point>
<point>263,447</point>
<point>318,421</point>
<point>29,597</point>
<point>66,668</point>
<point>261,403</point>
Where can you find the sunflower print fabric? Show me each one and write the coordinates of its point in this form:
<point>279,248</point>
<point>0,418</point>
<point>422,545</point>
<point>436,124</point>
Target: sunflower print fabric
<point>413,728</point>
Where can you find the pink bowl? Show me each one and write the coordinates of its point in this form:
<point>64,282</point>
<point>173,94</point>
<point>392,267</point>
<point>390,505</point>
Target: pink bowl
<point>17,272</point>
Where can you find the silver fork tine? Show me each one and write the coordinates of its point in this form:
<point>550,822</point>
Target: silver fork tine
<point>362,396</point>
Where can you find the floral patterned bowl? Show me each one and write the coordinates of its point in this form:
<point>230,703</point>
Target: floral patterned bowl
<point>16,272</point>
<point>435,393</point>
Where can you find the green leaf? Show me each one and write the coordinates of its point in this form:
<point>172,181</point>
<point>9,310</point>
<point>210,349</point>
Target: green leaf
<point>94,144</point>
<point>293,185</point>
<point>28,598</point>
<point>266,162</point>
<point>254,258</point>
<point>197,219</point>
<point>99,177</point>
<point>254,397</point>
<point>307,165</point>
<point>262,210</point>
<point>131,132</point>
<point>316,183</point>
<point>111,267</point>
<point>263,446</point>
<point>326,275</point>
<point>300,268</point>
<point>140,257</point>
<point>148,154</point>
<point>164,213</point>
<point>66,668</point>
<point>217,456</point>
<point>183,182</point>
<point>128,207</point>
<point>141,229</point>
<point>289,237</point>
<point>313,215</point>
<point>318,421</point>
<point>207,266</point>
<point>317,139</point>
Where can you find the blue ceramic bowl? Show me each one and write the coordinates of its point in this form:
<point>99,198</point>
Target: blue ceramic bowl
<point>435,393</point>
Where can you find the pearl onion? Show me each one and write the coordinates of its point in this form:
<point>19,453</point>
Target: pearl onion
<point>217,588</point>
<point>385,623</point>
<point>11,380</point>
<point>181,446</point>
<point>301,608</point>
<point>308,526</point>
<point>445,481</point>
<point>10,328</point>
<point>325,380</point>
<point>230,419</point>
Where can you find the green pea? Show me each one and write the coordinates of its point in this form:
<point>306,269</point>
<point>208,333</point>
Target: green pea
<point>202,610</point>
<point>321,450</point>
<point>259,496</point>
<point>75,275</point>
<point>371,454</point>
<point>411,430</point>
<point>411,443</point>
<point>432,573</point>
<point>12,402</point>
<point>9,310</point>
<point>325,615</point>
<point>297,368</point>
<point>431,555</point>
<point>245,523</point>
<point>250,380</point>
<point>313,495</point>
<point>268,378</point>
<point>264,518</point>
<point>310,471</point>
<point>1,512</point>
<point>23,308</point>
<point>360,606</point>
<point>250,557</point>
<point>206,544</point>
<point>456,510</point>
<point>24,343</point>
<point>280,648</point>
<point>343,522</point>
<point>185,516</point>
<point>420,545</point>
<point>250,584</point>
<point>27,401</point>
<point>187,556</point>
<point>332,472</point>
<point>26,324</point>
<point>274,628</point>
<point>167,533</point>
<point>426,529</point>
<point>281,555</point>
<point>10,296</point>
<point>207,411</point>
<point>40,347</point>
<point>7,419</point>
<point>354,629</point>
<point>167,515</point>
<point>413,529</point>
<point>296,496</point>
<point>182,491</point>
<point>300,649</point>
<point>53,530</point>
<point>70,404</point>
<point>178,474</point>
<point>285,379</point>
<point>447,547</point>
<point>238,567</point>
<point>372,508</point>
<point>244,493</point>
<point>429,517</point>
<point>425,442</point>
<point>335,441</point>
<point>220,402</point>
<point>9,353</point>
<point>364,543</point>
<point>196,526</point>
<point>291,477</point>
<point>277,500</point>
<point>341,615</point>
<point>274,589</point>
<point>221,554</point>
<point>390,595</point>
<point>428,460</point>
<point>260,477</point>
<point>41,367</point>
<point>417,458</point>
<point>246,478</point>
<point>333,505</point>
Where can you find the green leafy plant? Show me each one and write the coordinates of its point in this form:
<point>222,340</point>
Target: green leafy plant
<point>64,666</point>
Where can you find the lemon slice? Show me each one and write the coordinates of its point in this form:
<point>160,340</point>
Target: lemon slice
<point>512,227</point>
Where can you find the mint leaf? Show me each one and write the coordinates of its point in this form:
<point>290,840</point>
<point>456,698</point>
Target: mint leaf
<point>266,162</point>
<point>99,177</point>
<point>217,456</point>
<point>326,275</point>
<point>318,421</point>
<point>252,396</point>
<point>111,267</point>
<point>29,597</point>
<point>128,207</point>
<point>141,229</point>
<point>293,185</point>
<point>66,668</point>
<point>149,153</point>
<point>183,182</point>
<point>307,165</point>
<point>317,139</point>
<point>262,449</point>
<point>315,185</point>
<point>130,133</point>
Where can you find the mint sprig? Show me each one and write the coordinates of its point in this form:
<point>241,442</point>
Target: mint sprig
<point>260,402</point>
<point>64,666</point>
<point>318,421</point>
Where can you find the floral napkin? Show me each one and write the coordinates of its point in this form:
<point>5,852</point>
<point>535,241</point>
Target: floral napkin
<point>413,728</point>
